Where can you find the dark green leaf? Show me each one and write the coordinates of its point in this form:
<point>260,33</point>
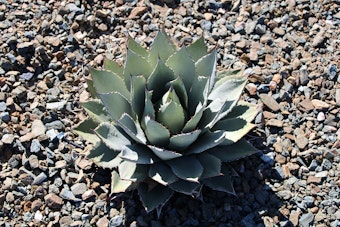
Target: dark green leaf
<point>116,105</point>
<point>138,85</point>
<point>86,130</point>
<point>185,187</point>
<point>132,171</point>
<point>118,185</point>
<point>112,136</point>
<point>135,65</point>
<point>172,116</point>
<point>161,48</point>
<point>181,141</point>
<point>187,168</point>
<point>139,154</point>
<point>137,48</point>
<point>104,156</point>
<point>211,165</point>
<point>197,49</point>
<point>162,173</point>
<point>96,110</point>
<point>113,66</point>
<point>156,133</point>
<point>206,141</point>
<point>132,128</point>
<point>164,154</point>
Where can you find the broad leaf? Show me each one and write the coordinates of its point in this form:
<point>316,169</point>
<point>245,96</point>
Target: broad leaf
<point>107,82</point>
<point>185,187</point>
<point>104,156</point>
<point>118,185</point>
<point>138,84</point>
<point>198,95</point>
<point>154,197</point>
<point>139,154</point>
<point>162,173</point>
<point>161,48</point>
<point>135,65</point>
<point>156,133</point>
<point>113,66</point>
<point>244,111</point>
<point>148,107</point>
<point>181,141</point>
<point>179,88</point>
<point>206,66</point>
<point>158,79</point>
<point>182,65</point>
<point>137,48</point>
<point>206,141</point>
<point>234,151</point>
<point>96,110</point>
<point>116,105</point>
<point>187,168</point>
<point>164,154</point>
<point>86,130</point>
<point>132,171</point>
<point>132,128</point>
<point>193,122</point>
<point>91,89</point>
<point>211,165</point>
<point>112,136</point>
<point>221,183</point>
<point>197,49</point>
<point>172,116</point>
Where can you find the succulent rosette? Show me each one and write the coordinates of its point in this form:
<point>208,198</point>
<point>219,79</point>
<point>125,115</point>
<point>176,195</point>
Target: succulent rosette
<point>167,121</point>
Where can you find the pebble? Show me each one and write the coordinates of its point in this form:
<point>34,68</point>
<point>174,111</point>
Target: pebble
<point>67,194</point>
<point>306,219</point>
<point>318,104</point>
<point>7,138</point>
<point>53,201</point>
<point>38,128</point>
<point>35,146</point>
<point>270,102</point>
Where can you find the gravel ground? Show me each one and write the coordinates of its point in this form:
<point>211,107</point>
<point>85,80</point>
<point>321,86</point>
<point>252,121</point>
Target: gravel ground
<point>292,52</point>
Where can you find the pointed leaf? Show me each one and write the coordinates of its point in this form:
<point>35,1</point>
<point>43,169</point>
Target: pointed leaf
<point>104,156</point>
<point>156,133</point>
<point>187,168</point>
<point>132,171</point>
<point>164,154</point>
<point>113,66</point>
<point>96,110</point>
<point>116,105</point>
<point>106,82</point>
<point>198,94</point>
<point>226,75</point>
<point>221,183</point>
<point>118,185</point>
<point>197,49</point>
<point>193,122</point>
<point>234,151</point>
<point>179,88</point>
<point>172,116</point>
<point>132,128</point>
<point>185,187</point>
<point>148,107</point>
<point>137,48</point>
<point>91,89</point>
<point>182,65</point>
<point>162,173</point>
<point>244,110</point>
<point>138,85</point>
<point>211,165</point>
<point>112,136</point>
<point>86,130</point>
<point>154,197</point>
<point>135,65</point>
<point>139,154</point>
<point>206,141</point>
<point>181,141</point>
<point>206,66</point>
<point>158,79</point>
<point>161,48</point>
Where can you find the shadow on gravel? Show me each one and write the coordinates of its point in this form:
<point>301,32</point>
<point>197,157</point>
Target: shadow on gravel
<point>255,203</point>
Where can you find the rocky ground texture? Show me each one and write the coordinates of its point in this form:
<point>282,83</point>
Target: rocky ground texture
<point>292,52</point>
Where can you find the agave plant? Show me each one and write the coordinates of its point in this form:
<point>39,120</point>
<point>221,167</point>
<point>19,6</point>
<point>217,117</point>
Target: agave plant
<point>167,121</point>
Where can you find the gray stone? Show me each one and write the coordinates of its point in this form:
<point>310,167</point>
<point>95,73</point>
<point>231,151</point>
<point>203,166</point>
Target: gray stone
<point>35,146</point>
<point>116,221</point>
<point>78,188</point>
<point>326,164</point>
<point>67,194</point>
<point>40,178</point>
<point>306,219</point>
<point>3,106</point>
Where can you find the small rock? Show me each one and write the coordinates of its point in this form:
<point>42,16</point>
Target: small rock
<point>78,188</point>
<point>38,128</point>
<point>306,105</point>
<point>294,217</point>
<point>116,221</point>
<point>318,39</point>
<point>7,138</point>
<point>35,146</point>
<point>321,116</point>
<point>53,201</point>
<point>270,102</point>
<point>88,194</point>
<point>102,222</point>
<point>3,106</point>
<point>313,179</point>
<point>251,88</point>
<point>337,96</point>
<point>38,216</point>
<point>36,205</point>
<point>56,105</point>
<point>322,174</point>
<point>306,219</point>
<point>137,11</point>
<point>274,122</point>
<point>67,194</point>
<point>40,178</point>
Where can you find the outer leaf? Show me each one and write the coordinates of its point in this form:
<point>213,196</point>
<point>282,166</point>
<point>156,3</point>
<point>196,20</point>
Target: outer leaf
<point>185,187</point>
<point>162,173</point>
<point>181,141</point>
<point>86,130</point>
<point>234,151</point>
<point>181,63</point>
<point>206,66</point>
<point>96,110</point>
<point>106,82</point>
<point>113,66</point>
<point>179,88</point>
<point>154,197</point>
<point>197,49</point>
<point>138,154</point>
<point>158,79</point>
<point>220,183</point>
<point>211,165</point>
<point>244,111</point>
<point>227,74</point>
<point>138,86</point>
<point>206,141</point>
<point>161,48</point>
<point>193,122</point>
<point>187,168</point>
<point>116,105</point>
<point>132,171</point>
<point>91,89</point>
<point>156,133</point>
<point>104,156</point>
<point>112,136</point>
<point>164,154</point>
<point>137,48</point>
<point>198,95</point>
<point>132,128</point>
<point>172,116</point>
<point>135,65</point>
<point>118,185</point>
